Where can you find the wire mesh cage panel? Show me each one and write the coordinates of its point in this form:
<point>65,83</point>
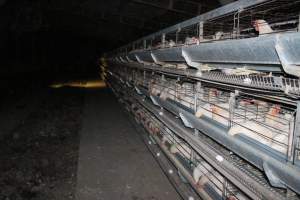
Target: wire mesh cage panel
<point>267,123</point>
<point>188,35</point>
<point>269,17</point>
<point>139,44</point>
<point>259,80</point>
<point>157,42</point>
<point>219,29</point>
<point>173,89</point>
<point>213,104</point>
<point>204,176</point>
<point>149,43</point>
<point>264,124</point>
<point>297,150</point>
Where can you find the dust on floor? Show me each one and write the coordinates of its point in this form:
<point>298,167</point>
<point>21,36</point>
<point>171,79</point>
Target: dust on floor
<point>38,158</point>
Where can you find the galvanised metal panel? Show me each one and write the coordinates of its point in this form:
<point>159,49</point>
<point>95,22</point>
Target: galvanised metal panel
<point>123,58</point>
<point>291,45</point>
<point>169,54</point>
<point>275,167</point>
<point>132,57</point>
<point>258,51</point>
<point>144,55</point>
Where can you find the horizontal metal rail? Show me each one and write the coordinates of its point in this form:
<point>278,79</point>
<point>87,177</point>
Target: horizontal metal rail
<point>286,88</point>
<point>205,148</point>
<point>225,10</point>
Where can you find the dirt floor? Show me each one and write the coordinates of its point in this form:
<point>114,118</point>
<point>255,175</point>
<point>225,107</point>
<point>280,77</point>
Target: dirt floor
<point>114,163</point>
<point>39,143</point>
<point>41,153</point>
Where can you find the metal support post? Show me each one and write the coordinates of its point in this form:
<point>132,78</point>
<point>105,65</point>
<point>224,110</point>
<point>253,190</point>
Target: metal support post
<point>201,31</point>
<point>232,104</point>
<point>294,136</point>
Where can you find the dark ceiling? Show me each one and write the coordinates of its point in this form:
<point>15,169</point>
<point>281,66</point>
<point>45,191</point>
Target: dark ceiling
<point>69,35</point>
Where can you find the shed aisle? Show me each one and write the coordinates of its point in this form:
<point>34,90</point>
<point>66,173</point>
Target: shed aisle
<point>114,163</point>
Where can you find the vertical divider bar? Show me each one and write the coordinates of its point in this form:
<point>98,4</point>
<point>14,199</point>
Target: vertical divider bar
<point>201,31</point>
<point>145,44</point>
<point>177,32</point>
<point>224,192</point>
<point>196,96</point>
<point>299,23</point>
<point>232,103</point>
<point>145,76</point>
<point>294,136</point>
<point>163,40</point>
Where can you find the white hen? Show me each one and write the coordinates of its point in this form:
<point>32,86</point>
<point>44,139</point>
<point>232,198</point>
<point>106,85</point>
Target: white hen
<point>266,132</point>
<point>218,112</point>
<point>262,27</point>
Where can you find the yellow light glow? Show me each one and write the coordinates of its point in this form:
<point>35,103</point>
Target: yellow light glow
<point>81,84</point>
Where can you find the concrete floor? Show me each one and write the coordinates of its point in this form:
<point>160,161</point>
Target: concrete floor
<point>113,161</point>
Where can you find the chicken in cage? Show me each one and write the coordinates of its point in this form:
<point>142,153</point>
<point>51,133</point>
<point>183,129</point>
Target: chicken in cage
<point>271,128</point>
<point>204,175</point>
<point>225,83</point>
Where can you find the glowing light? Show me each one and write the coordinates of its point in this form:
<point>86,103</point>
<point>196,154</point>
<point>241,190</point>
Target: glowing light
<point>80,84</point>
